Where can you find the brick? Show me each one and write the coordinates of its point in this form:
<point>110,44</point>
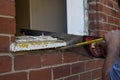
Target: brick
<point>113,13</point>
<point>13,38</point>
<point>102,1</point>
<point>70,57</point>
<point>114,27</point>
<point>7,7</point>
<point>106,10</point>
<point>110,3</point>
<point>94,33</point>
<point>93,16</point>
<point>110,19</point>
<point>99,63</point>
<point>4,44</point>
<point>43,74</point>
<point>27,61</point>
<point>118,14</point>
<point>76,77</point>
<point>92,7</point>
<point>86,76</point>
<point>7,25</point>
<point>116,21</point>
<point>110,27</point>
<point>82,58</point>
<point>93,26</point>
<point>96,74</point>
<point>102,17</point>
<point>51,59</point>
<point>61,71</point>
<point>14,76</point>
<point>107,27</point>
<point>78,67</point>
<point>115,5</point>
<point>5,64</point>
<point>101,26</point>
<point>90,65</point>
<point>79,51</point>
<point>101,33</point>
<point>100,7</point>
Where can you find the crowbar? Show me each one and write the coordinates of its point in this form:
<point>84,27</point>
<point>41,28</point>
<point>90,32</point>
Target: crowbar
<point>83,43</point>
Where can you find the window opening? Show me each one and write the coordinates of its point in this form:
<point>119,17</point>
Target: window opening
<point>50,15</point>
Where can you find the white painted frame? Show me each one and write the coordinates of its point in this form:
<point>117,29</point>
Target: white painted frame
<point>77,18</point>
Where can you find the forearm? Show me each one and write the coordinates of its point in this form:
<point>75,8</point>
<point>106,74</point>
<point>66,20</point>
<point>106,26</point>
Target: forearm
<point>112,57</point>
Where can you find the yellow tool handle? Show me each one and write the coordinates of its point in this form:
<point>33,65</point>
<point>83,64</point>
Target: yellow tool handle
<point>83,43</point>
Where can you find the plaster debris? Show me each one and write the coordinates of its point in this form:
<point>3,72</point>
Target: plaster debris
<point>24,43</point>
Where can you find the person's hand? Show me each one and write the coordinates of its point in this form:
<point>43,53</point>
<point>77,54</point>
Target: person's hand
<point>113,38</point>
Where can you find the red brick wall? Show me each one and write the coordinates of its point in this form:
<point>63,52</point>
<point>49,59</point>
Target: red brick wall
<point>7,23</point>
<point>104,16</point>
<point>49,66</point>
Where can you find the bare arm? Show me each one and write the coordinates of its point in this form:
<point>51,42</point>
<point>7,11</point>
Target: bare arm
<point>113,46</point>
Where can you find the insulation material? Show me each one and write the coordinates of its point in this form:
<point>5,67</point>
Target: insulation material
<point>24,43</point>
